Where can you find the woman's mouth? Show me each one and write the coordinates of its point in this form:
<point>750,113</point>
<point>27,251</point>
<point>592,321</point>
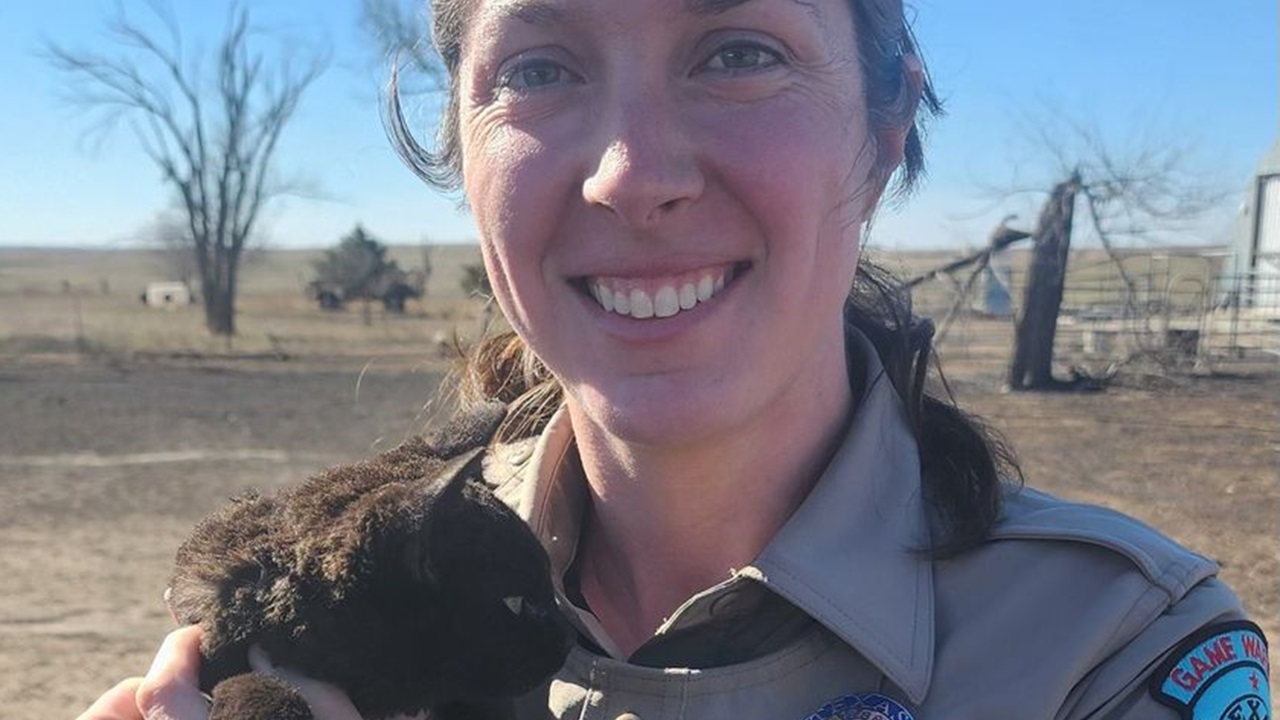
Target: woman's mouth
<point>661,296</point>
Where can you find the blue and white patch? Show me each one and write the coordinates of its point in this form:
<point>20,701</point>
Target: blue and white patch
<point>1219,673</point>
<point>862,706</point>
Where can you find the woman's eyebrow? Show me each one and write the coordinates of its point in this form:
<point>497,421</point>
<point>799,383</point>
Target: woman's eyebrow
<point>715,7</point>
<point>549,12</point>
<point>712,7</point>
<point>534,12</point>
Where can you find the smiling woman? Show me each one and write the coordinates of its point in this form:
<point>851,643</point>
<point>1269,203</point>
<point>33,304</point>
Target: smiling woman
<point>718,425</point>
<point>637,169</point>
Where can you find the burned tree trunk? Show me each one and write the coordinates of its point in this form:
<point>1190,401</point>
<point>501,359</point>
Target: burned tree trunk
<point>1032,367</point>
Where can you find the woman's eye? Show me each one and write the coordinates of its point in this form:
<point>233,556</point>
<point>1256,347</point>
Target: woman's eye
<point>743,57</point>
<point>533,74</point>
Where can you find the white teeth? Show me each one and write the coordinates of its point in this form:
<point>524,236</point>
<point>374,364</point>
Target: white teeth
<point>641,305</point>
<point>706,288</point>
<point>688,296</point>
<point>604,296</point>
<point>666,302</point>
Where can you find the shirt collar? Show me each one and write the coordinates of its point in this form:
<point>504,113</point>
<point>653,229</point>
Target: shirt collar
<point>553,500</point>
<point>853,556</point>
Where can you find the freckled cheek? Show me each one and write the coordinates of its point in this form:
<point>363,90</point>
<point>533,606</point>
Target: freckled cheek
<point>799,168</point>
<point>516,191</point>
<point>516,178</point>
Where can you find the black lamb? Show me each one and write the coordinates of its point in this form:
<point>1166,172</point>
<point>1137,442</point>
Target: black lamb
<point>402,580</point>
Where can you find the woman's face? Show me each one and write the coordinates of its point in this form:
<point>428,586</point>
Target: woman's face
<point>669,194</point>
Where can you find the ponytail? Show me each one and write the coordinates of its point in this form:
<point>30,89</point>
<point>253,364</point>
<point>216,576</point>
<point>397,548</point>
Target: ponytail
<point>963,463</point>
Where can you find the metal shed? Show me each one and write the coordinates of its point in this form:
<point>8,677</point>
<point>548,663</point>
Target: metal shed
<point>1252,275</point>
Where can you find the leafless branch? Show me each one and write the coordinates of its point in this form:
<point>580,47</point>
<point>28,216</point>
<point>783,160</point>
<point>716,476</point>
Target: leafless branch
<point>400,31</point>
<point>1143,185</point>
<point>1143,188</point>
<point>212,138</point>
<point>963,297</point>
<point>1001,238</point>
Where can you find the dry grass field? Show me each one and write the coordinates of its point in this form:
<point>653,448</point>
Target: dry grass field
<point>124,425</point>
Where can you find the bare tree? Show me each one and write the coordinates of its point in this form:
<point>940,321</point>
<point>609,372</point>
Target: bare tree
<point>428,265</point>
<point>167,236</point>
<point>1000,239</point>
<point>1142,190</point>
<point>1032,365</point>
<point>212,135</point>
<point>400,30</point>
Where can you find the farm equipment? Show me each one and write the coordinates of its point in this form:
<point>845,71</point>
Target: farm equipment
<point>392,288</point>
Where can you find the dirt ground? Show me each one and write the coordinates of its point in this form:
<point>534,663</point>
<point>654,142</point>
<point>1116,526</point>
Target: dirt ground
<point>103,470</point>
<point>105,466</point>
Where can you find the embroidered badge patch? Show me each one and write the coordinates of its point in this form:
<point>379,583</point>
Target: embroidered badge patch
<point>1219,673</point>
<point>862,706</point>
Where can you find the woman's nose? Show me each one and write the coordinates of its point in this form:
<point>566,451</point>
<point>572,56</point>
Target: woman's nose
<point>647,168</point>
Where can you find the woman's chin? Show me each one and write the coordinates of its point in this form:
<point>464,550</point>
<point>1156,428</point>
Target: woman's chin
<point>653,414</point>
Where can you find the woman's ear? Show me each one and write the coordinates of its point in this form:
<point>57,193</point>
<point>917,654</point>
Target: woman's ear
<point>898,122</point>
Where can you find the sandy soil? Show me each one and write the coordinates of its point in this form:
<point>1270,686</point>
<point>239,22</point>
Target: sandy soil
<point>104,468</point>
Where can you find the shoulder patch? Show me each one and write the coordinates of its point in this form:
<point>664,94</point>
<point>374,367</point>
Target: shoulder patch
<point>862,706</point>
<point>1218,673</point>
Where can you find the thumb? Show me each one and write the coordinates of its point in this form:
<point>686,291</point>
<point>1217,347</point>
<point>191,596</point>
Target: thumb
<point>171,689</point>
<point>118,703</point>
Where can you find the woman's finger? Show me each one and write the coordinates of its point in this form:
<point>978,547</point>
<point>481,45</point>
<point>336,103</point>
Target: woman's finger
<point>118,703</point>
<point>328,702</point>
<point>171,689</point>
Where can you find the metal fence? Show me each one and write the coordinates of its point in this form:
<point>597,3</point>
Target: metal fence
<point>1177,315</point>
<point>1189,320</point>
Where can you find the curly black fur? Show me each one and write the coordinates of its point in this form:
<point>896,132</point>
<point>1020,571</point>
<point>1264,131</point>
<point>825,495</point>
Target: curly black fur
<point>402,580</point>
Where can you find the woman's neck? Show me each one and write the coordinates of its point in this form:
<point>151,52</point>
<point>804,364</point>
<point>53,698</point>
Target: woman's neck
<point>668,522</point>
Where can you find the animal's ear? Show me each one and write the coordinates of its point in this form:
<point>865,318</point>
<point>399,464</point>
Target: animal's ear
<point>451,476</point>
<point>392,521</point>
<point>439,496</point>
<point>469,430</point>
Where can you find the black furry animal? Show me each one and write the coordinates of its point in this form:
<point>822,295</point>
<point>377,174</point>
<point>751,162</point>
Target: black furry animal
<point>402,580</point>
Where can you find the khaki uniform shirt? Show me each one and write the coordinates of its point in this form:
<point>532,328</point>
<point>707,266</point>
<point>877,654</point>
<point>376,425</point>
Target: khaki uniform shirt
<point>1063,614</point>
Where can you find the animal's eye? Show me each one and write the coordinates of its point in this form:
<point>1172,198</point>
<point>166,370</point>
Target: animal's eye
<point>742,56</point>
<point>514,603</point>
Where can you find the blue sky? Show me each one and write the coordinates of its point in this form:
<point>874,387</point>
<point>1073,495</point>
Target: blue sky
<point>1203,73</point>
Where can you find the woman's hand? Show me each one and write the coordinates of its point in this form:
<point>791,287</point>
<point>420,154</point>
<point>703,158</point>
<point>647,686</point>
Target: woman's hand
<point>118,703</point>
<point>170,691</point>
